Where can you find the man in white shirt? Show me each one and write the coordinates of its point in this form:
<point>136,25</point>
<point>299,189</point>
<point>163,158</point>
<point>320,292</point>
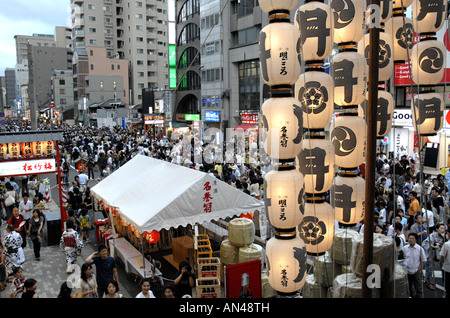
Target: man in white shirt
<point>400,202</point>
<point>26,208</point>
<point>83,180</point>
<point>414,260</point>
<point>444,264</point>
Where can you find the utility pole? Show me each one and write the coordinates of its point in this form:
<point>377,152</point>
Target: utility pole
<point>374,36</point>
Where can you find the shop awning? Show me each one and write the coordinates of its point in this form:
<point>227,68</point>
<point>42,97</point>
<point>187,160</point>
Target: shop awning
<point>246,127</point>
<point>31,136</point>
<point>176,124</point>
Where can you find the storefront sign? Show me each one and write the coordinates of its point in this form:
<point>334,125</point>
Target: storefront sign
<point>154,119</point>
<point>212,116</point>
<point>250,117</point>
<point>27,167</point>
<point>402,117</point>
<point>192,117</point>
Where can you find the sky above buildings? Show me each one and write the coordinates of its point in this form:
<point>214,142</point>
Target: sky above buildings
<point>25,17</point>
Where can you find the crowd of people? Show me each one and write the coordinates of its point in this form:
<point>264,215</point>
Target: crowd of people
<point>411,207</point>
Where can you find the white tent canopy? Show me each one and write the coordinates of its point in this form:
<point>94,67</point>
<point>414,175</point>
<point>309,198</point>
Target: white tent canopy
<point>152,194</point>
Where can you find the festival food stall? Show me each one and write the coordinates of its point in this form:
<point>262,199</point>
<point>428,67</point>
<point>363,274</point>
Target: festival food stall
<point>35,153</point>
<point>147,197</point>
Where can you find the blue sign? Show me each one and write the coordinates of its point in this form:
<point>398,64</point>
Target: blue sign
<point>212,116</point>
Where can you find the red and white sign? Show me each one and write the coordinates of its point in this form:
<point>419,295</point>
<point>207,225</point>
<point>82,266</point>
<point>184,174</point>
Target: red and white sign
<point>27,167</point>
<point>250,118</point>
<point>402,71</point>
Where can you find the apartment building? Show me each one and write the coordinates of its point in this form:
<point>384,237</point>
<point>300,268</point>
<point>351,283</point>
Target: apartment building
<point>62,92</point>
<point>60,39</point>
<point>42,62</point>
<point>218,61</point>
<point>134,30</point>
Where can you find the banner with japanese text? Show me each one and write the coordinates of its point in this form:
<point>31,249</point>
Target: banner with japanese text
<point>27,167</point>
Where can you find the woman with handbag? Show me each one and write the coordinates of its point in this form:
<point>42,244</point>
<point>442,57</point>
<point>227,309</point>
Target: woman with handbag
<point>10,200</point>
<point>87,283</point>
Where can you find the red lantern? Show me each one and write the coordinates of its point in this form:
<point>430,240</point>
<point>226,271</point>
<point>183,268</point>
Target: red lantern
<point>26,149</point>
<point>152,237</point>
<point>248,215</point>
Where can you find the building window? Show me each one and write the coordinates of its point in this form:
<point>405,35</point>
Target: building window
<point>244,7</point>
<point>247,36</point>
<point>190,81</point>
<point>190,33</point>
<point>249,82</point>
<point>190,8</point>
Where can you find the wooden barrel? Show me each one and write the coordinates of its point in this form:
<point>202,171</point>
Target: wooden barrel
<point>241,232</point>
<point>229,254</point>
<point>249,253</point>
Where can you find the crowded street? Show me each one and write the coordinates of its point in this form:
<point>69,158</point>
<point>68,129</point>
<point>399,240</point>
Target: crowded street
<point>236,156</point>
<point>120,146</point>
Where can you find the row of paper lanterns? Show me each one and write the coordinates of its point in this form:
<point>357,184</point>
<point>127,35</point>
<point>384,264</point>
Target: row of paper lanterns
<point>151,237</point>
<point>302,106</point>
<point>27,149</point>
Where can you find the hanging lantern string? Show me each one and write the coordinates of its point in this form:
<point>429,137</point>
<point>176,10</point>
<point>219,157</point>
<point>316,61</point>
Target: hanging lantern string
<point>312,172</point>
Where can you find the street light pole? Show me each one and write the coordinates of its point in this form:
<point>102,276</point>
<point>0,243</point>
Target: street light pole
<point>374,36</point>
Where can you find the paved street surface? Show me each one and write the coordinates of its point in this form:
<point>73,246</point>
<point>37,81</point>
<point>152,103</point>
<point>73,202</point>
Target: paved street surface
<point>50,271</point>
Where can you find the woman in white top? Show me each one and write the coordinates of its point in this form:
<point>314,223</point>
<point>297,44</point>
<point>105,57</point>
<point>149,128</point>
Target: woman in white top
<point>87,284</point>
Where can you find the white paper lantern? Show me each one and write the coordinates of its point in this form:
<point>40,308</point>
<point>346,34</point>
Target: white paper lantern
<point>428,62</point>
<point>316,163</point>
<point>315,92</point>
<point>349,74</point>
<point>385,113</point>
<point>348,20</point>
<point>3,150</point>
<point>283,198</point>
<point>278,8</point>
<point>286,263</point>
<point>279,54</point>
<point>348,136</point>
<point>428,116</point>
<point>399,4</point>
<point>49,147</point>
<point>282,121</point>
<point>428,15</point>
<point>315,22</point>
<point>38,148</point>
<point>14,150</point>
<point>317,228</point>
<point>385,55</point>
<point>347,198</point>
<point>402,35</point>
